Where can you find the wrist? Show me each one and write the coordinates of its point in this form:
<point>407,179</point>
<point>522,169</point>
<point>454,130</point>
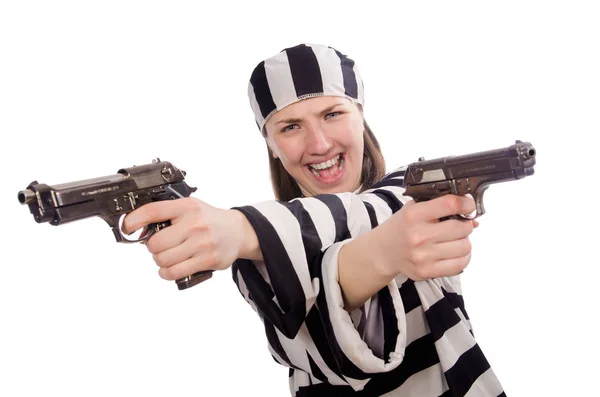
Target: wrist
<point>384,264</point>
<point>363,269</point>
<point>247,241</point>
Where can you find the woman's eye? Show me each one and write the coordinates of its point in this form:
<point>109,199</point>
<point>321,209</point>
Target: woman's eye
<point>289,127</point>
<point>329,115</point>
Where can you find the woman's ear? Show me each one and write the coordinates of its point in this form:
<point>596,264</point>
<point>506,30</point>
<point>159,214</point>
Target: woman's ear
<point>270,149</point>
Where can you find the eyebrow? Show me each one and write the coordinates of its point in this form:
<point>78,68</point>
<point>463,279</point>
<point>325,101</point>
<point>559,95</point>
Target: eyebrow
<point>321,113</point>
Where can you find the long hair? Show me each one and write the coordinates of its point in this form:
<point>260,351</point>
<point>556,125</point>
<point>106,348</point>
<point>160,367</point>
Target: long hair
<point>373,169</point>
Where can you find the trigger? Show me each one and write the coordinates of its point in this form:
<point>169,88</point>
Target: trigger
<point>146,233</point>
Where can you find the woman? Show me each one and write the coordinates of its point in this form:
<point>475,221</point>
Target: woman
<point>355,284</point>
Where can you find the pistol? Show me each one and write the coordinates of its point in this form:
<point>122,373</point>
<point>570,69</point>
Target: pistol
<point>112,197</point>
<point>468,174</point>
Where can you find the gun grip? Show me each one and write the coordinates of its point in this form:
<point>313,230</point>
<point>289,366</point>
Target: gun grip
<point>189,281</point>
<point>194,279</point>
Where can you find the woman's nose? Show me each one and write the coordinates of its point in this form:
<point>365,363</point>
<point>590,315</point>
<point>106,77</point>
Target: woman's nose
<point>318,141</point>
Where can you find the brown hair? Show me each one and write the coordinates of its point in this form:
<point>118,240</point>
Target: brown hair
<point>373,169</point>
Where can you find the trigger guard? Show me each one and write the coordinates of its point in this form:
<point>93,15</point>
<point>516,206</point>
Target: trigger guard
<point>145,235</point>
<point>467,218</point>
<point>479,208</point>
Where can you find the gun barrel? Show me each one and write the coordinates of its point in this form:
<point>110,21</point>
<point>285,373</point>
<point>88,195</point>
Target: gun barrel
<point>518,159</point>
<point>26,196</point>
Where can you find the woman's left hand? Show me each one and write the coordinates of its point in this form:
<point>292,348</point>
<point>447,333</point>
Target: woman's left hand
<point>201,237</point>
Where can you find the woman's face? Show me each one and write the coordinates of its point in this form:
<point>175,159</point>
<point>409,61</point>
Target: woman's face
<point>319,141</point>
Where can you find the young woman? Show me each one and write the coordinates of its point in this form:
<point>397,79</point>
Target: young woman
<point>357,285</point>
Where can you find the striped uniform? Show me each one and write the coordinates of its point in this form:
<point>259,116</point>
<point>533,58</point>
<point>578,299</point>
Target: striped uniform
<point>410,339</point>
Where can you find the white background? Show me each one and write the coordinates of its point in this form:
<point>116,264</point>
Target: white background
<point>87,88</point>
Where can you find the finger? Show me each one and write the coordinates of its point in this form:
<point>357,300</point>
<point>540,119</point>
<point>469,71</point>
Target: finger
<point>450,249</point>
<point>440,207</point>
<point>166,238</point>
<point>185,268</point>
<point>426,255</point>
<point>158,211</point>
<point>450,267</point>
<point>449,230</point>
<point>177,254</point>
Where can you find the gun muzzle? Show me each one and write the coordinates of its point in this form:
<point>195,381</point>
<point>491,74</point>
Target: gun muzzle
<point>26,196</point>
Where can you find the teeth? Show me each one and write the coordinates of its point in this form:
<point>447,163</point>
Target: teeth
<point>325,164</point>
<point>341,160</point>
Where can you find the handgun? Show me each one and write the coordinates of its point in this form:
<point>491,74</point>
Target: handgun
<point>112,197</point>
<point>468,174</point>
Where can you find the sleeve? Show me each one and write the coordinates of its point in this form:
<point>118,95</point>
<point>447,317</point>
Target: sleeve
<point>295,288</point>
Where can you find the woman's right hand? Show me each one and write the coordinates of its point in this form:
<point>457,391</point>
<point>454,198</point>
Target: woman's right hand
<point>415,243</point>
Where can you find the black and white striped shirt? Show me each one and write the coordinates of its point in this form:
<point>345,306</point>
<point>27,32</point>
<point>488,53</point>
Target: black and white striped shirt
<point>410,339</point>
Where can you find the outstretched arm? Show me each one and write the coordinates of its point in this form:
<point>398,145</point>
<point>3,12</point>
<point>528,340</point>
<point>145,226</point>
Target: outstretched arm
<point>293,285</point>
<point>293,238</point>
<point>411,242</point>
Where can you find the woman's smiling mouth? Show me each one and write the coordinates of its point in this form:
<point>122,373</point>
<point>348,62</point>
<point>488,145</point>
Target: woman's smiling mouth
<point>329,171</point>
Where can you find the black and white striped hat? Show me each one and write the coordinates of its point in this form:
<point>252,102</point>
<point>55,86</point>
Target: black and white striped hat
<point>300,72</point>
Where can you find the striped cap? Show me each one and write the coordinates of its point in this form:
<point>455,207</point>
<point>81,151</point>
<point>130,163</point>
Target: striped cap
<point>300,72</point>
